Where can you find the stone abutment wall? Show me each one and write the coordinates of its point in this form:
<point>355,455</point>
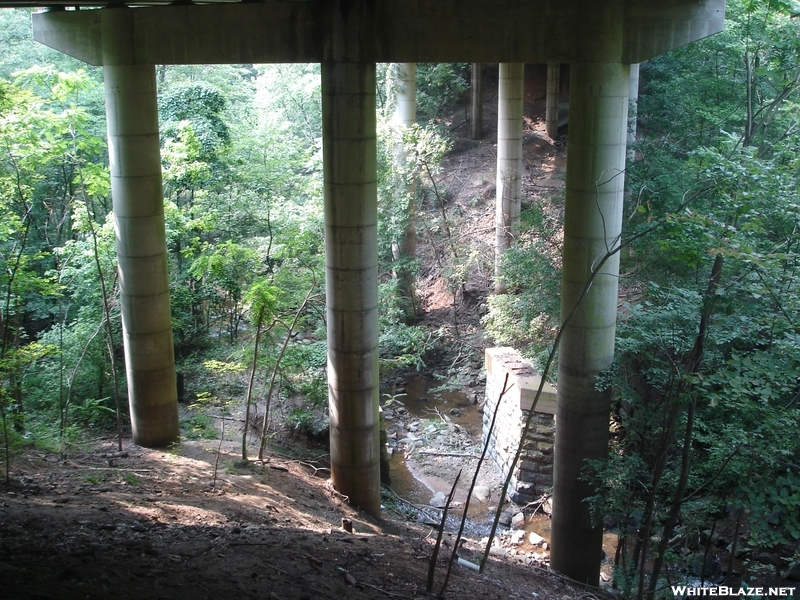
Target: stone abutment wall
<point>534,471</point>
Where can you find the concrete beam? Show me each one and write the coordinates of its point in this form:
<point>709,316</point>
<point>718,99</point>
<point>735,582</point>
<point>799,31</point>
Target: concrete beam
<point>495,31</point>
<point>274,32</point>
<point>655,28</point>
<point>76,33</point>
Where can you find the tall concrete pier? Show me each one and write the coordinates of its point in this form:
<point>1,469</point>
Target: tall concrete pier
<point>510,104</point>
<point>135,161</point>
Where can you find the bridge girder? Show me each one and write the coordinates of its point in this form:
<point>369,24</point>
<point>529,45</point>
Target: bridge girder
<point>522,31</point>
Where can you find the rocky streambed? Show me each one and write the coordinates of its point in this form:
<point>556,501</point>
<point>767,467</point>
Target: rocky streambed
<point>432,434</point>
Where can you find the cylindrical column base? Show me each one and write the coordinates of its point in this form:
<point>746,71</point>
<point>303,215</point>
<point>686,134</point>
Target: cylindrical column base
<point>477,101</point>
<point>510,105</point>
<point>551,106</point>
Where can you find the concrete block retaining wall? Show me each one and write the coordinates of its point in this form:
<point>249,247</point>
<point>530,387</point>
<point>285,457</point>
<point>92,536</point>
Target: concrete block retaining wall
<point>534,471</point>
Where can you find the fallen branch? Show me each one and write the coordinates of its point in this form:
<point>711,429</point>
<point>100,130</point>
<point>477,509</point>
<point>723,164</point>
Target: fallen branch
<point>77,466</point>
<point>251,544</point>
<point>382,591</point>
<point>459,455</point>
<point>316,469</point>
<point>420,507</point>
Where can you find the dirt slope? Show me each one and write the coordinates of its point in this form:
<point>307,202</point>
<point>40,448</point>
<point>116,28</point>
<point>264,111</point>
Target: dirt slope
<point>151,524</point>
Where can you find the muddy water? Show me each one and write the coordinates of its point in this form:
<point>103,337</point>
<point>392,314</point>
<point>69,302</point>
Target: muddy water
<point>418,485</point>
<point>423,403</point>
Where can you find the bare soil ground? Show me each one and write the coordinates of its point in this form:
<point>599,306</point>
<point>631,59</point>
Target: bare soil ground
<point>154,524</point>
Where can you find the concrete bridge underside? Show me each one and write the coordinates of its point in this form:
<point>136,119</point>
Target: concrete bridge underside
<point>348,37</point>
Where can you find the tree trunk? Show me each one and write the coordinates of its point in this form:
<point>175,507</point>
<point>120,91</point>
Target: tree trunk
<point>692,368</point>
<point>250,381</point>
<point>289,332</point>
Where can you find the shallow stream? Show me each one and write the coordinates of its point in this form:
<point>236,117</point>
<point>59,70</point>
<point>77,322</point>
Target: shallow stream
<point>420,425</point>
<point>447,428</point>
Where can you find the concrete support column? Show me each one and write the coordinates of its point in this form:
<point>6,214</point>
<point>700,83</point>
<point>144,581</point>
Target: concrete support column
<point>592,226</point>
<point>405,116</point>
<point>633,108</point>
<point>351,258</point>
<point>553,92</point>
<point>510,104</point>
<point>477,101</point>
<point>135,160</point>
<point>405,110</point>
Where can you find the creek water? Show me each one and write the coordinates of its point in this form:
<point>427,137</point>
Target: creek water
<point>417,482</point>
<point>447,423</point>
<point>422,399</point>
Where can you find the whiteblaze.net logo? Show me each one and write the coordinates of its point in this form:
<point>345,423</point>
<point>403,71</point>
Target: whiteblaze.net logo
<point>683,591</point>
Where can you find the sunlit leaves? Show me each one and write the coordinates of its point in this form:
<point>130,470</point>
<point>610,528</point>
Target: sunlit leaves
<point>263,300</point>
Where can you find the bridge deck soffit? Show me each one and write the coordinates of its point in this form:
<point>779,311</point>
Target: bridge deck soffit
<point>528,31</point>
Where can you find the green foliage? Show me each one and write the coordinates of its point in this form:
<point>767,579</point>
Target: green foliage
<point>440,86</point>
<point>218,366</point>
<point>21,52</point>
<point>307,422</point>
<point>199,427</point>
<point>224,274</point>
<point>49,179</point>
<point>303,368</point>
<point>526,317</point>
<point>618,483</point>
<point>400,344</point>
<point>131,479</point>
<point>93,412</point>
<point>263,300</point>
<point>718,127</point>
<point>775,511</point>
<point>196,108</point>
<point>264,215</point>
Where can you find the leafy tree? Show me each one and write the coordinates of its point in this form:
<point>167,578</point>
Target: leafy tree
<point>20,52</point>
<point>262,297</point>
<point>527,316</point>
<point>50,153</point>
<point>225,272</point>
<point>439,87</point>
